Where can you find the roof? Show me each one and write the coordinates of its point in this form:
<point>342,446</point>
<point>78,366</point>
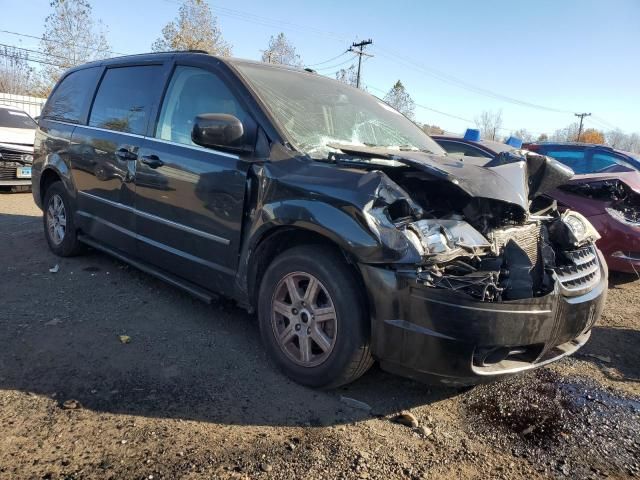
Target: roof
<point>155,56</point>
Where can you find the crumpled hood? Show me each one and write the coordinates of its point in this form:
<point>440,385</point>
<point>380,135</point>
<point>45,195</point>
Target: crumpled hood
<point>631,179</point>
<point>512,177</point>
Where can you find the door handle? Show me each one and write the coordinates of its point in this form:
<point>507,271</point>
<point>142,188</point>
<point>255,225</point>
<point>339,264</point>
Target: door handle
<point>153,161</point>
<point>124,154</point>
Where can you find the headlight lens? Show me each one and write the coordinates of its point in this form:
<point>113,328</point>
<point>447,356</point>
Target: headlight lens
<point>447,237</point>
<point>580,227</point>
<point>27,158</point>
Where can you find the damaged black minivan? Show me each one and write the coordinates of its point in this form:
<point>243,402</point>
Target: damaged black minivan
<point>347,229</point>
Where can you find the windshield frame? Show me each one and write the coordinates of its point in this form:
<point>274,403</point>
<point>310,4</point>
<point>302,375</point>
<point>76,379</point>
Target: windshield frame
<point>237,65</point>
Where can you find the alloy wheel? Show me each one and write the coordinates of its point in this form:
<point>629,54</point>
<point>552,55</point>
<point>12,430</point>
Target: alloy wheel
<point>56,219</point>
<point>304,319</point>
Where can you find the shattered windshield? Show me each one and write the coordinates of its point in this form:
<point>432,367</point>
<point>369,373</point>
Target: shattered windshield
<point>317,111</point>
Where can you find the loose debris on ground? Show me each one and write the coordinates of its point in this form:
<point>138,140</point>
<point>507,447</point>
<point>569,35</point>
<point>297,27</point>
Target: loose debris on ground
<point>194,396</point>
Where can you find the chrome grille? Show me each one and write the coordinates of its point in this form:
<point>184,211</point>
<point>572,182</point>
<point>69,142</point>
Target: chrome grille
<point>527,237</point>
<point>581,273</point>
<point>8,170</point>
<point>11,156</point>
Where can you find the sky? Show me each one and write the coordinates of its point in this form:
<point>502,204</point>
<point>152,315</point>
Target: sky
<point>538,62</point>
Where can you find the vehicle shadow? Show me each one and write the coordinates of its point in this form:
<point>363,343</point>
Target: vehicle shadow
<point>615,352</point>
<point>185,359</point>
<point>620,278</point>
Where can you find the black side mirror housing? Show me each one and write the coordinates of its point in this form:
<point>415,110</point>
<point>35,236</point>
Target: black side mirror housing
<point>221,131</point>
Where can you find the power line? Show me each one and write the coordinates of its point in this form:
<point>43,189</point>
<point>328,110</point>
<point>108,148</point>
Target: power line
<point>350,59</point>
<point>60,42</point>
<point>327,61</point>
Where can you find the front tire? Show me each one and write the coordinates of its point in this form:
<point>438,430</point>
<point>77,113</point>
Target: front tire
<point>313,319</point>
<point>59,227</point>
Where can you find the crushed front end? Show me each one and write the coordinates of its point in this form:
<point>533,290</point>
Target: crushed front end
<point>499,286</point>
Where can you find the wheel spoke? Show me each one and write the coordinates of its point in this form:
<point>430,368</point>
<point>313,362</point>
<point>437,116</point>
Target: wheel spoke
<point>59,233</point>
<point>324,314</point>
<point>320,338</point>
<point>282,308</point>
<point>51,211</point>
<point>62,221</point>
<point>305,348</point>
<point>312,291</point>
<point>292,288</point>
<point>287,334</point>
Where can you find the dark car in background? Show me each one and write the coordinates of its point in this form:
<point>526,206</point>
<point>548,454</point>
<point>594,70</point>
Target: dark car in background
<point>343,225</point>
<point>606,190</point>
<point>472,145</point>
<point>17,132</point>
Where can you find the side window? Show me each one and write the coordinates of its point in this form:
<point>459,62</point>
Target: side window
<point>124,99</point>
<point>70,101</point>
<point>193,91</point>
<point>457,148</point>
<point>607,162</point>
<point>574,159</point>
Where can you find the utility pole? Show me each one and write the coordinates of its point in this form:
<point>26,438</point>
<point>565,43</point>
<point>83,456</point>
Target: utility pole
<point>581,115</point>
<point>360,53</point>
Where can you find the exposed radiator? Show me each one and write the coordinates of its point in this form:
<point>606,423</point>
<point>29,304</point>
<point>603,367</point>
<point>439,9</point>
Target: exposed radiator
<point>527,237</point>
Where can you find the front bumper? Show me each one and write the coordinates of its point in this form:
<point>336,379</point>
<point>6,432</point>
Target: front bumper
<point>438,335</point>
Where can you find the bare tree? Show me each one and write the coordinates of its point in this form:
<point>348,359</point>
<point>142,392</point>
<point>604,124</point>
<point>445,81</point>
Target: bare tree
<point>617,138</point>
<point>348,75</point>
<point>399,99</point>
<point>432,129</point>
<point>566,134</point>
<point>281,51</point>
<point>543,137</point>
<point>489,124</point>
<point>523,134</point>
<point>195,28</point>
<point>16,76</point>
<point>71,37</point>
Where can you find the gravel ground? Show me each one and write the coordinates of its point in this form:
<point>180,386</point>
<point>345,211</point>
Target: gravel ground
<point>192,394</point>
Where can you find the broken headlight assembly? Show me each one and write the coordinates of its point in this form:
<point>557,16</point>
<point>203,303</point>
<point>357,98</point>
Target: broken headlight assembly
<point>628,216</point>
<point>441,240</point>
<point>579,229</point>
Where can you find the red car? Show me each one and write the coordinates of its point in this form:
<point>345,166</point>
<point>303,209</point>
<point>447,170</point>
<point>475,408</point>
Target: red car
<point>605,189</point>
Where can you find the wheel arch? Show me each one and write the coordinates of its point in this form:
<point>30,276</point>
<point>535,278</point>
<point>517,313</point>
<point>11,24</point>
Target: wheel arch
<point>55,170</point>
<point>281,238</point>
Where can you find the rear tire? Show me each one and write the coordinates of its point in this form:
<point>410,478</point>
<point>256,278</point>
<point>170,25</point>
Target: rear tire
<point>313,318</point>
<point>59,226</point>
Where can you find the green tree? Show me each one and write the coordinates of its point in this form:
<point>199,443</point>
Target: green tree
<point>399,99</point>
<point>195,28</point>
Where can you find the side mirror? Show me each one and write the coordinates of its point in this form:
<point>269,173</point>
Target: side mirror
<point>219,130</point>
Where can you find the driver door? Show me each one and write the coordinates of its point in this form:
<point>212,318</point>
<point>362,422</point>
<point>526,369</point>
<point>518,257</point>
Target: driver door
<point>190,199</point>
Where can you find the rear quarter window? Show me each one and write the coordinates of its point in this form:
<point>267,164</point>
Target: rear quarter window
<point>70,100</point>
<point>125,97</point>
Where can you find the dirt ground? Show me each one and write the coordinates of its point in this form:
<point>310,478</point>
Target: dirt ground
<point>193,395</point>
